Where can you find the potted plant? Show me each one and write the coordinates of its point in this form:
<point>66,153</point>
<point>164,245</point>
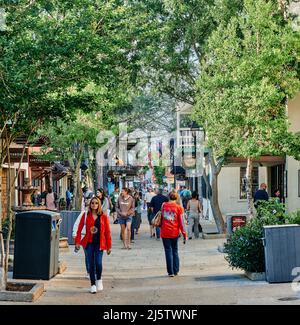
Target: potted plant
<point>244,248</point>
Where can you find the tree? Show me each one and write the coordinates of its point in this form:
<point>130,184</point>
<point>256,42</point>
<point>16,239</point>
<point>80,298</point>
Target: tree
<point>249,72</point>
<point>170,38</point>
<point>55,58</point>
<point>67,141</point>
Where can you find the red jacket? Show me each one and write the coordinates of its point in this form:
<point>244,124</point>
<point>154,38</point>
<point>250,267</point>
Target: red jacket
<point>172,220</point>
<point>105,235</point>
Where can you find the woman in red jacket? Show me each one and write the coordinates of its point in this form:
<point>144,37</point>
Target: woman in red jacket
<point>97,239</point>
<point>171,226</point>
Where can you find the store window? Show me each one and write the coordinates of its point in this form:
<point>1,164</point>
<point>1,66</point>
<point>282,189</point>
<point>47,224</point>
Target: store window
<point>255,184</point>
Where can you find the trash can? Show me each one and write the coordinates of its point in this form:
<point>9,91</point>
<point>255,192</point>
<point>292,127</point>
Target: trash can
<point>282,252</point>
<point>36,245</point>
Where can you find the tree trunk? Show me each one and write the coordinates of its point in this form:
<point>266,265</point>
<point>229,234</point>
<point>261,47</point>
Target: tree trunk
<point>10,218</point>
<point>76,175</point>
<point>213,193</point>
<point>2,251</point>
<point>249,186</point>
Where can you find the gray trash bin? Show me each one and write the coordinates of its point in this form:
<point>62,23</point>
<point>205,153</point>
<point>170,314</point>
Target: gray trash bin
<point>36,250</point>
<point>282,252</point>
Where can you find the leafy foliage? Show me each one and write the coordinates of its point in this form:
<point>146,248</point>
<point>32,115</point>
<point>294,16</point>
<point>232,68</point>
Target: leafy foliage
<point>159,172</point>
<point>293,217</point>
<point>249,71</point>
<point>5,226</point>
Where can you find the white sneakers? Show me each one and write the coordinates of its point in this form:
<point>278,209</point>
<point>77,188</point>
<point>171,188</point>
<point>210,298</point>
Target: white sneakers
<point>97,287</point>
<point>93,289</point>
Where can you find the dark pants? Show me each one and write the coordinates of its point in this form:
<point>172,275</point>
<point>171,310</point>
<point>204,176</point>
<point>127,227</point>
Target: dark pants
<point>138,220</point>
<point>171,252</point>
<point>133,225</point>
<point>95,261</point>
<point>68,204</point>
<point>157,231</point>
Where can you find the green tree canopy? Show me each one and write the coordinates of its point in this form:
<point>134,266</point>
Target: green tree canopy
<point>247,75</point>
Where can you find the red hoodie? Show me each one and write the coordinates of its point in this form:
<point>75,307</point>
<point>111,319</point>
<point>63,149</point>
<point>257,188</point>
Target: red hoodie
<point>105,235</point>
<point>172,223</point>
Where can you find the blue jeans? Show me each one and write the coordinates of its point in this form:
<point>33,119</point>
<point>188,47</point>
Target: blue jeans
<point>171,252</point>
<point>157,231</point>
<point>87,266</point>
<point>95,261</point>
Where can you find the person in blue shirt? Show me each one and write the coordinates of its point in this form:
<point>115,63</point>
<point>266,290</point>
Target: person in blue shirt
<point>68,198</point>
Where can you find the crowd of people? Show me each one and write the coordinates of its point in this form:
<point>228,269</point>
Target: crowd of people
<point>92,227</point>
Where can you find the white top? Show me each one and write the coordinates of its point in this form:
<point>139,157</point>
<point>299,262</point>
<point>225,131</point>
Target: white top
<point>149,196</point>
<point>76,224</point>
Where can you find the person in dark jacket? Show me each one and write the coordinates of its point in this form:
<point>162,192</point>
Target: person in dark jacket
<point>155,206</point>
<point>261,195</point>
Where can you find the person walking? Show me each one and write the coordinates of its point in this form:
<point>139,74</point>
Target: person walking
<point>68,199</point>
<point>155,206</point>
<point>171,227</point>
<point>194,208</point>
<point>125,210</point>
<point>114,199</point>
<point>148,197</point>
<point>51,199</point>
<point>186,195</point>
<point>138,211</point>
<point>95,241</point>
<point>100,194</point>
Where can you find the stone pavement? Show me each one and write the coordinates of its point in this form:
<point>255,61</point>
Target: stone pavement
<point>138,277</point>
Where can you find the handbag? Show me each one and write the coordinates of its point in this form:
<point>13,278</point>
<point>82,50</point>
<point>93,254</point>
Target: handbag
<point>156,221</point>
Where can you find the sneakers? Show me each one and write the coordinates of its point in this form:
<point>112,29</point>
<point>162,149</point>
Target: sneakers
<point>99,285</point>
<point>93,289</point>
<point>171,275</point>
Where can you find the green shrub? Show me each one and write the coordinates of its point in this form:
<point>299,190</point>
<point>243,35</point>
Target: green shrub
<point>244,249</point>
<point>293,217</point>
<point>271,210</point>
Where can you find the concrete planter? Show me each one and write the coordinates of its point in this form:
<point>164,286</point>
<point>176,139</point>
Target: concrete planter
<point>22,292</point>
<point>282,252</point>
<point>254,276</point>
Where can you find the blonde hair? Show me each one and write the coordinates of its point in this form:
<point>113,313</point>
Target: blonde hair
<point>99,210</point>
<point>173,196</point>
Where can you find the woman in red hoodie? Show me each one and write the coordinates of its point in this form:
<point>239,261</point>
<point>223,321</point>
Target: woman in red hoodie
<point>171,226</point>
<point>97,239</point>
